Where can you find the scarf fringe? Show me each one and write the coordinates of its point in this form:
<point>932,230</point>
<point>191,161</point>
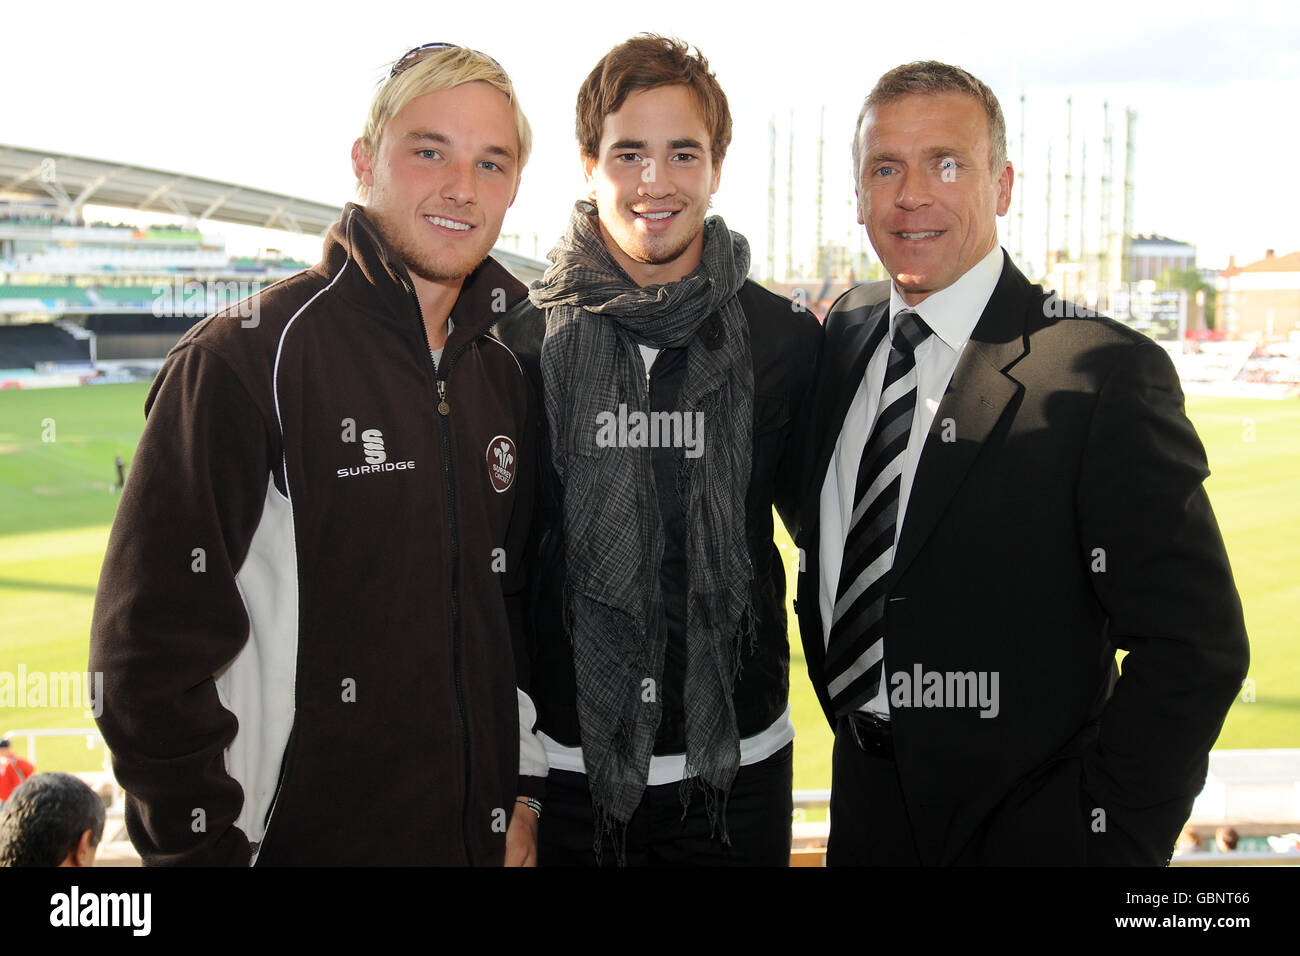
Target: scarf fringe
<point>607,826</point>
<point>715,804</point>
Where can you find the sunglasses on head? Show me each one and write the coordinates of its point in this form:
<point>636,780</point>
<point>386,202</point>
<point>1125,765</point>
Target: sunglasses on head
<point>411,57</point>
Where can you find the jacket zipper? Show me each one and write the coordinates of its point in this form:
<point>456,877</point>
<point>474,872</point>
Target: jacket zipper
<point>256,848</point>
<point>444,409</point>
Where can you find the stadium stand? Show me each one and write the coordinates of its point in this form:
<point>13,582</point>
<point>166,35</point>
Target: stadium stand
<point>138,295</point>
<point>174,325</point>
<point>49,296</point>
<point>136,335</point>
<point>24,346</point>
<point>135,288</point>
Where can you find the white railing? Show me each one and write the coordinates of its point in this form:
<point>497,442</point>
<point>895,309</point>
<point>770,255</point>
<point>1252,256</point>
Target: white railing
<point>93,739</point>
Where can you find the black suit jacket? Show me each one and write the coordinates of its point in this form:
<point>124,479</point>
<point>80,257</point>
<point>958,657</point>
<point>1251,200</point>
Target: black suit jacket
<point>1057,513</point>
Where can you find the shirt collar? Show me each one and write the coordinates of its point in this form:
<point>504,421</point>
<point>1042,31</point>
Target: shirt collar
<point>951,313</point>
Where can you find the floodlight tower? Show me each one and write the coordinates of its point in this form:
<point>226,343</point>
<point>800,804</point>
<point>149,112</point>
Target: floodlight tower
<point>1069,156</point>
<point>1129,158</point>
<point>789,206</point>
<point>818,253</point>
<point>1107,181</point>
<point>771,198</point>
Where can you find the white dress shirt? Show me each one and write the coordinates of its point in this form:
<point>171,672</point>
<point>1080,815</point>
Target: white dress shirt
<point>951,314</point>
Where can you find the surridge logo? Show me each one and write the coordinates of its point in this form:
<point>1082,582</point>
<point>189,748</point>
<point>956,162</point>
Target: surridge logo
<point>501,462</point>
<point>372,445</point>
<point>372,440</point>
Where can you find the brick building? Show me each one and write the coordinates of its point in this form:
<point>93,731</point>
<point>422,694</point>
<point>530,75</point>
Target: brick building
<point>1262,298</point>
<point>1150,256</point>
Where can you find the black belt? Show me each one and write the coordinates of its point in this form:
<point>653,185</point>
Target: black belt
<point>872,734</point>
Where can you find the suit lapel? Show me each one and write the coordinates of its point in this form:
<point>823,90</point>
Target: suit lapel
<point>844,368</point>
<point>976,397</point>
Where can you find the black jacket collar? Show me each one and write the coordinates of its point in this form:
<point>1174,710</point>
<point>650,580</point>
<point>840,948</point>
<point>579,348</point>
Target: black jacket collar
<point>372,277</point>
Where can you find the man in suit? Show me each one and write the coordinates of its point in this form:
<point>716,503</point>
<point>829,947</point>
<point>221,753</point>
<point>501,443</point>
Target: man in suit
<point>1004,490</point>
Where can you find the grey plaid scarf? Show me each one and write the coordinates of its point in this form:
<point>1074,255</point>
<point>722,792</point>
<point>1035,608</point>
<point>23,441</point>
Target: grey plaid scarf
<point>596,316</point>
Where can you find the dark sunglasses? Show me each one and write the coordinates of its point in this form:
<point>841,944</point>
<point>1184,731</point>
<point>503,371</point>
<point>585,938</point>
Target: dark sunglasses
<point>411,57</point>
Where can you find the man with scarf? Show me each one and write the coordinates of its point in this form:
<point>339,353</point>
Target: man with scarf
<point>675,392</point>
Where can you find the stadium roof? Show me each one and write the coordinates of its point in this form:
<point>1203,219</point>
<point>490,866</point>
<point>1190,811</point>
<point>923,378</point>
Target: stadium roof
<point>74,181</point>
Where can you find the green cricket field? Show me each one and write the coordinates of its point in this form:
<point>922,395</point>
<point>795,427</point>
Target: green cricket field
<point>57,500</point>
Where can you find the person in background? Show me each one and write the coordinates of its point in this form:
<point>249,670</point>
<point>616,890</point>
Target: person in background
<point>13,770</point>
<point>1226,839</point>
<point>53,819</point>
<point>1188,842</point>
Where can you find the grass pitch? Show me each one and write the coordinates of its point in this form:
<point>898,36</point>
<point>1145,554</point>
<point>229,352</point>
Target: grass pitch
<point>56,507</point>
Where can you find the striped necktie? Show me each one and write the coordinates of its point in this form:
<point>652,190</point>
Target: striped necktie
<point>855,650</point>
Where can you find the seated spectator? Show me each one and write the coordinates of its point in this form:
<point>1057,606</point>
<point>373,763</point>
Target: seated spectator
<point>13,770</point>
<point>1226,839</point>
<point>1188,842</point>
<point>1286,843</point>
<point>51,820</point>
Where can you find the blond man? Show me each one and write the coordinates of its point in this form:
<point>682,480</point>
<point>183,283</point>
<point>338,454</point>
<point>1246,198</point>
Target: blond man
<point>307,616</point>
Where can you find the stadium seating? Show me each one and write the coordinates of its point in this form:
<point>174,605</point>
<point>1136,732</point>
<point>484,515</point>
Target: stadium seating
<point>51,295</point>
<point>133,322</point>
<point>137,335</point>
<point>140,295</point>
<point>23,346</point>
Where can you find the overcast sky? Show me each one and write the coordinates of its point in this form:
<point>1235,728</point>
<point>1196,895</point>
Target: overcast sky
<point>272,96</point>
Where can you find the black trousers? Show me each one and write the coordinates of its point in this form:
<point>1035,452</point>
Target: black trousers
<point>869,821</point>
<point>759,810</point>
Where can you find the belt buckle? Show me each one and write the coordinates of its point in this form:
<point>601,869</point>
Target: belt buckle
<point>880,744</point>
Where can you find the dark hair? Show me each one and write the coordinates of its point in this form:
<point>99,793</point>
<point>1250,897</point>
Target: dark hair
<point>643,63</point>
<point>44,818</point>
<point>931,76</point>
